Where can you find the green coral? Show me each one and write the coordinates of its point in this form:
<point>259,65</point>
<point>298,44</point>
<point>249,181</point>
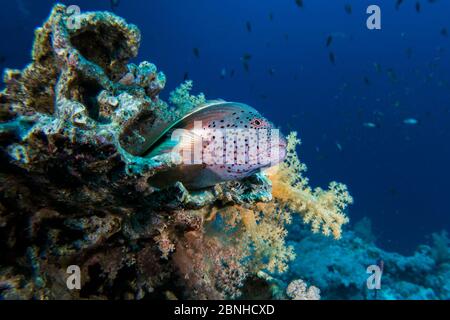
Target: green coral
<point>183,101</point>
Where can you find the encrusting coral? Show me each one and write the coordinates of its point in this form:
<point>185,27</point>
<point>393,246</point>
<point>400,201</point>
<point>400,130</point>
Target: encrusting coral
<point>298,290</point>
<point>74,187</point>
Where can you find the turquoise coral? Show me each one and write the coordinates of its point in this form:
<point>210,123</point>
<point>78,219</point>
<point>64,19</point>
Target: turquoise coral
<point>183,100</point>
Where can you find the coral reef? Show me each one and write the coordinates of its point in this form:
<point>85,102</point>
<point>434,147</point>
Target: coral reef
<point>323,209</point>
<point>339,268</point>
<point>74,186</point>
<point>298,290</point>
<point>183,100</point>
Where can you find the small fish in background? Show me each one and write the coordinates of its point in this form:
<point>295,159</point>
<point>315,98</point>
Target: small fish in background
<point>246,61</point>
<point>299,3</point>
<point>232,73</point>
<point>398,3</point>
<point>418,7</point>
<point>223,73</point>
<point>409,53</point>
<point>391,74</point>
<point>271,71</point>
<point>248,25</point>
<point>246,57</point>
<point>392,191</point>
<point>338,146</point>
<point>444,32</point>
<point>196,52</point>
<point>246,66</point>
<point>371,125</point>
<point>185,76</point>
<point>271,16</point>
<point>378,113</point>
<point>377,67</point>
<point>114,5</point>
<point>366,81</point>
<point>332,58</point>
<point>329,41</point>
<point>411,121</point>
<point>348,8</point>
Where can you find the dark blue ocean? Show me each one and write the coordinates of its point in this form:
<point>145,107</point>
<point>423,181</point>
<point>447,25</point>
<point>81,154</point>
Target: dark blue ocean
<point>348,100</point>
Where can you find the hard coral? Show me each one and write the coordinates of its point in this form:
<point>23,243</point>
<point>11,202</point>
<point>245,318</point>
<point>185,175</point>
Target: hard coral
<point>298,290</point>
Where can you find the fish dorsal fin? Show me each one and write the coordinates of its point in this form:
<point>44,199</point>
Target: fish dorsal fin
<point>164,128</point>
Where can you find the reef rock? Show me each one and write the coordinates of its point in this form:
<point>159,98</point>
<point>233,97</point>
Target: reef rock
<point>339,269</point>
<point>74,189</point>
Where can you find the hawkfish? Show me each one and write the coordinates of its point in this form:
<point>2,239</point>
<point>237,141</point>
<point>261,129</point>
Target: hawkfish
<point>218,141</point>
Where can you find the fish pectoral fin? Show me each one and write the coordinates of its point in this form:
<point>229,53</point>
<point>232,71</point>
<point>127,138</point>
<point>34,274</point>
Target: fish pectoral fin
<point>181,141</point>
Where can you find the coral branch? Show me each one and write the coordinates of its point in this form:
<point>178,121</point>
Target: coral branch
<point>323,209</point>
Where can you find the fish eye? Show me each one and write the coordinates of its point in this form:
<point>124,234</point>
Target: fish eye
<point>257,122</point>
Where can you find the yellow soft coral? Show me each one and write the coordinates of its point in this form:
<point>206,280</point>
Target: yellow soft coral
<point>267,227</point>
<point>263,232</point>
<point>323,209</point>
